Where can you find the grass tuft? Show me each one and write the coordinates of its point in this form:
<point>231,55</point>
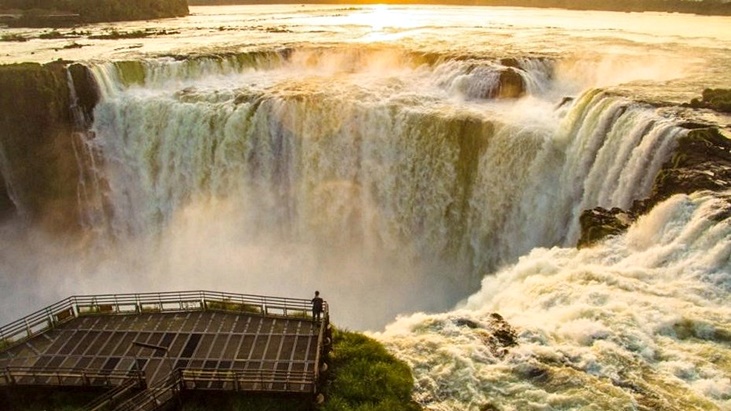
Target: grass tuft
<point>366,377</point>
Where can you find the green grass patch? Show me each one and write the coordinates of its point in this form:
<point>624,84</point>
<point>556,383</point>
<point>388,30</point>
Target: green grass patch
<point>363,376</point>
<point>233,306</point>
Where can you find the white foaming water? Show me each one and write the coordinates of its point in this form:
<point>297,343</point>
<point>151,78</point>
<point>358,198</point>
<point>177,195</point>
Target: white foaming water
<point>640,321</point>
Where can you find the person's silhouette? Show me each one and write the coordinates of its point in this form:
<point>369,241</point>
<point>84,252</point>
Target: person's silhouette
<point>316,307</point>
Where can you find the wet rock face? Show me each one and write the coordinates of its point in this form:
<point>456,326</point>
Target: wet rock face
<point>599,223</point>
<point>39,169</point>
<point>512,84</point>
<point>87,91</point>
<point>702,161</point>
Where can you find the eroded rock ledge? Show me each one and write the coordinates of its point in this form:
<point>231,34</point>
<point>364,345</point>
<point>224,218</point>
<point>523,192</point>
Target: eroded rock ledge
<point>702,161</point>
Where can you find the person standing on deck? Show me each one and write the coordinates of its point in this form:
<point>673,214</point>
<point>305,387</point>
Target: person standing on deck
<point>316,307</point>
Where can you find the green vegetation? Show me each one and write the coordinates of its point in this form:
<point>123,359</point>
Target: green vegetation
<point>232,306</point>
<point>706,7</point>
<point>363,376</point>
<point>56,13</point>
<point>51,35</point>
<point>714,99</point>
<point>13,37</point>
<point>114,35</point>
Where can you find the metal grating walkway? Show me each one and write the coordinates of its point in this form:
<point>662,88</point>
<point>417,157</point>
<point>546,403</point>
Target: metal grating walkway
<point>213,341</point>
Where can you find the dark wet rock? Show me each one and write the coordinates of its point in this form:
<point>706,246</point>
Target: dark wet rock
<point>533,372</point>
<point>87,91</point>
<point>496,333</point>
<point>510,62</point>
<point>599,223</point>
<point>464,322</point>
<point>512,84</point>
<point>714,99</point>
<point>564,101</point>
<point>701,161</point>
<point>502,331</point>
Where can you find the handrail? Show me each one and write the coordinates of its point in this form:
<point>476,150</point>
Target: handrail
<point>240,378</point>
<point>172,301</point>
<point>109,398</point>
<point>67,376</point>
<point>155,396</point>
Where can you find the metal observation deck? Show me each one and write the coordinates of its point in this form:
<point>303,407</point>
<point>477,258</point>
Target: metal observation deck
<point>147,348</point>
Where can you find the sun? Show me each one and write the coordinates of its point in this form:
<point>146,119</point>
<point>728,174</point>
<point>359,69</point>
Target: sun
<point>381,17</point>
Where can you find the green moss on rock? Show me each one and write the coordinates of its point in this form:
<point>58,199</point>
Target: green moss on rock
<point>714,99</point>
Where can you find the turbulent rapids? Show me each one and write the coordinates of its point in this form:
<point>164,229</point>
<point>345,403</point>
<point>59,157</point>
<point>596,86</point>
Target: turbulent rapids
<point>401,180</point>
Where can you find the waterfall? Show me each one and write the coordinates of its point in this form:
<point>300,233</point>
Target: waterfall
<point>90,188</point>
<point>6,173</point>
<point>363,163</point>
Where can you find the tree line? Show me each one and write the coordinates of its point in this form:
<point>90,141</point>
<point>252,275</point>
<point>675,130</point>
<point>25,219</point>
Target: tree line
<point>705,7</point>
<point>92,11</point>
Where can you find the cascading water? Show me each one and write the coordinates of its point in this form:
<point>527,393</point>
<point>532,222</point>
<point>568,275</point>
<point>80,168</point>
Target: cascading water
<point>360,158</point>
<point>639,322</point>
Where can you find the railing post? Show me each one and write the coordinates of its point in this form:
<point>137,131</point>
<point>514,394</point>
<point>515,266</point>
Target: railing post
<point>74,307</point>
<point>51,318</point>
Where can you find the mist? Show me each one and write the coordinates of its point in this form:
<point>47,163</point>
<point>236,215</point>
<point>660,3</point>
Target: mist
<point>206,246</point>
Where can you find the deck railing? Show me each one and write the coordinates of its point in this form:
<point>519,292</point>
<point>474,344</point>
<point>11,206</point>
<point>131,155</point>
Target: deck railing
<point>248,380</point>
<point>162,302</point>
<point>80,377</point>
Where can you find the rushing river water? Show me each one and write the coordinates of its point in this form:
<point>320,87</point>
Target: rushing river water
<point>367,152</point>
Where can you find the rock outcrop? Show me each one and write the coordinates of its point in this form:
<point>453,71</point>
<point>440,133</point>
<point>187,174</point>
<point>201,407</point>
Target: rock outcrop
<point>512,84</point>
<point>701,161</point>
<point>37,162</point>
<point>714,99</point>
